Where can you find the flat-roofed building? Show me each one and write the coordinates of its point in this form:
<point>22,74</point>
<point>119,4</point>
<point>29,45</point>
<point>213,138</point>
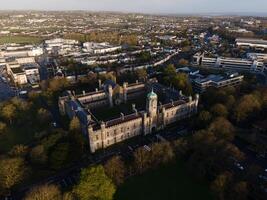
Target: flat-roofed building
<point>201,84</point>
<point>251,42</point>
<point>18,76</point>
<point>236,64</point>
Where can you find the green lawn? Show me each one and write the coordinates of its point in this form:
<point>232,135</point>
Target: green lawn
<point>167,183</point>
<point>20,39</point>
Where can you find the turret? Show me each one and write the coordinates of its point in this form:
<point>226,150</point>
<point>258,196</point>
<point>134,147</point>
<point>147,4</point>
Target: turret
<point>125,92</point>
<point>110,95</point>
<point>152,103</point>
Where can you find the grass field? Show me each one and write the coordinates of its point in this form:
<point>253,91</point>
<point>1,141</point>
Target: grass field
<point>167,183</point>
<point>20,39</point>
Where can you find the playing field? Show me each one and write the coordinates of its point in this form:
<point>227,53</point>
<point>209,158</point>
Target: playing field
<point>167,183</point>
<point>20,39</point>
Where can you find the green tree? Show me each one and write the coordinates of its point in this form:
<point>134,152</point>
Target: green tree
<point>115,169</point>
<point>141,160</point>
<point>44,116</point>
<point>44,192</point>
<point>19,151</point>
<point>13,171</point>
<point>183,62</point>
<point>75,125</point>
<point>161,153</point>
<point>245,107</point>
<point>219,110</point>
<point>141,74</point>
<point>2,128</point>
<point>204,119</point>
<point>59,156</point>
<point>38,155</point>
<point>94,184</point>
<point>169,73</point>
<point>222,129</point>
<point>9,112</point>
<point>221,184</point>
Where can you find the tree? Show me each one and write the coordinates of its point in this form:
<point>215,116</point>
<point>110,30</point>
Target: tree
<point>161,153</point>
<point>183,62</point>
<point>180,147</point>
<point>2,128</point>
<point>222,129</point>
<point>181,82</point>
<point>204,119</point>
<point>247,106</point>
<point>9,112</point>
<point>219,110</point>
<point>141,160</point>
<point>94,184</point>
<point>240,191</point>
<point>13,171</point>
<point>38,155</point>
<point>43,115</point>
<point>59,155</point>
<point>141,74</point>
<point>18,151</point>
<point>75,125</point>
<point>44,192</point>
<point>115,169</point>
<point>169,73</point>
<point>220,184</point>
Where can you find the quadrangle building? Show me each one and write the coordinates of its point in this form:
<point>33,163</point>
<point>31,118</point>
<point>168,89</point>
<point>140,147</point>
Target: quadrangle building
<point>115,113</point>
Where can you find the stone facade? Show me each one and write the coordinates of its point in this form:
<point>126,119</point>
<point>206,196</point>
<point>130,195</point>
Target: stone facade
<point>155,116</point>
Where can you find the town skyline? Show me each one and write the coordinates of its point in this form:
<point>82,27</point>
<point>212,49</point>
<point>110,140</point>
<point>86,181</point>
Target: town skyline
<point>192,7</point>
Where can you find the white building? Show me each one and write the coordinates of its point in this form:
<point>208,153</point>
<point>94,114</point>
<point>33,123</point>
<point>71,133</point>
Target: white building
<point>99,48</point>
<point>250,42</point>
<point>229,63</point>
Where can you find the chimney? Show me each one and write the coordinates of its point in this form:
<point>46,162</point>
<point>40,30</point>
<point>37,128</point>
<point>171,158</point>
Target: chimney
<point>122,116</point>
<point>133,106</point>
<point>89,118</point>
<point>96,89</point>
<point>83,93</point>
<point>172,102</point>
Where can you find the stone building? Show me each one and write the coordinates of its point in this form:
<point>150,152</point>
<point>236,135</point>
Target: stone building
<point>154,116</point>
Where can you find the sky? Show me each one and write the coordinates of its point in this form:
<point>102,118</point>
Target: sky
<point>144,6</point>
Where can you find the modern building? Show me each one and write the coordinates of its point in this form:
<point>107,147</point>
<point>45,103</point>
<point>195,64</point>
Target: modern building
<point>158,107</point>
<point>99,48</point>
<point>18,76</point>
<point>236,64</point>
<point>251,42</point>
<point>201,84</point>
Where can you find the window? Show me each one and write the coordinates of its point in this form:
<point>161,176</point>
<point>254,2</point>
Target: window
<point>108,141</point>
<point>96,137</point>
<point>121,129</point>
<point>107,134</point>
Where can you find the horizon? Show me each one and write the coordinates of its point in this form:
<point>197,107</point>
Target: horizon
<point>168,7</point>
<point>209,14</point>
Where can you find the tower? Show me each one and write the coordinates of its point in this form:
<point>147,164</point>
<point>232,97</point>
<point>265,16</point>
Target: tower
<point>152,104</point>
<point>110,95</point>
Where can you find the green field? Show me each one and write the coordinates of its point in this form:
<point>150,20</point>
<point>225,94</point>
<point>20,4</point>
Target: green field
<point>167,183</point>
<point>20,39</point>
